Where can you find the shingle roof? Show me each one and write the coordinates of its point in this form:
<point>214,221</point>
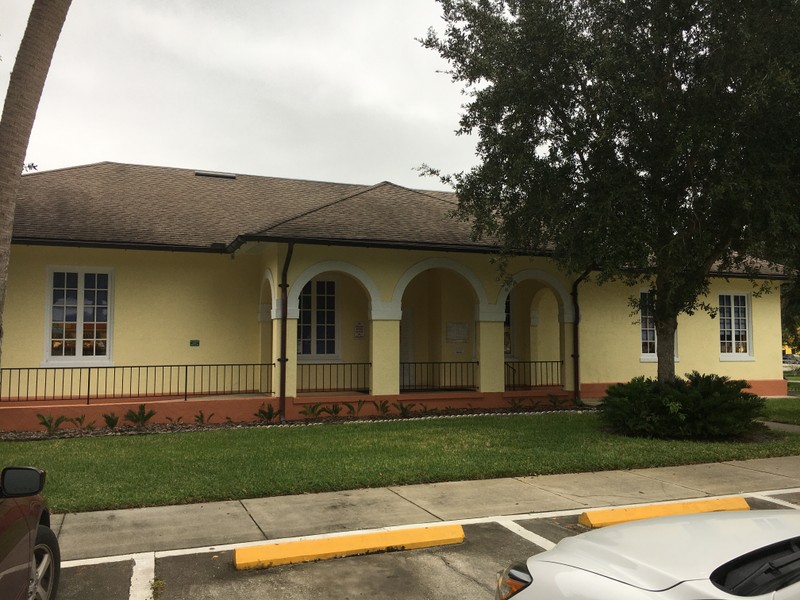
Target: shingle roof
<point>131,205</point>
<point>122,205</point>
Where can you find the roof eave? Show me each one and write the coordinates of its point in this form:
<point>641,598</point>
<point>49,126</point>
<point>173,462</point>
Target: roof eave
<point>111,245</point>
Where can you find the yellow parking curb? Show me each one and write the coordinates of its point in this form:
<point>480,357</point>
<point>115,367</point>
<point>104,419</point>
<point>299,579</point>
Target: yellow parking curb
<point>284,553</point>
<point>612,516</point>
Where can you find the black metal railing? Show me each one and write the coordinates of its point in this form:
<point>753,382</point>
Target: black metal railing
<point>521,375</point>
<point>88,383</point>
<point>438,376</point>
<point>333,377</point>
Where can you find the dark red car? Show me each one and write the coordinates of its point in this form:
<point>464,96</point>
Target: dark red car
<point>30,560</point>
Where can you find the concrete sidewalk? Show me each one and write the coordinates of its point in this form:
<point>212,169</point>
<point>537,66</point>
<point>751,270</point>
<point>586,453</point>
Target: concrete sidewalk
<point>110,533</point>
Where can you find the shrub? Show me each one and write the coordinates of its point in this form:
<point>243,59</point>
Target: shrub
<point>700,406</point>
<point>51,423</point>
<point>80,423</point>
<point>111,419</point>
<point>140,417</point>
<point>265,414</point>
<point>202,419</point>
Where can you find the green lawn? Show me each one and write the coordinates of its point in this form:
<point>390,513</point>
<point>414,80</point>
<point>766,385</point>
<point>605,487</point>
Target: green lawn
<point>125,471</point>
<point>784,410</point>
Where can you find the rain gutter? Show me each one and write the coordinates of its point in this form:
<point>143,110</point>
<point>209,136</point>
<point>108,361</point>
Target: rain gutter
<point>576,361</point>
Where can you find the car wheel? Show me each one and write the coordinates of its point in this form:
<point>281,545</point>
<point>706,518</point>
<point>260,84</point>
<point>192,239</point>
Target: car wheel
<point>47,565</point>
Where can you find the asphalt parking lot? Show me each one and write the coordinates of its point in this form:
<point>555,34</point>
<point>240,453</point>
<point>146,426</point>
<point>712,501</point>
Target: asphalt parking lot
<point>466,570</point>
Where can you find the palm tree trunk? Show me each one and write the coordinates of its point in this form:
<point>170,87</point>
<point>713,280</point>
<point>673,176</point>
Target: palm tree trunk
<point>19,112</point>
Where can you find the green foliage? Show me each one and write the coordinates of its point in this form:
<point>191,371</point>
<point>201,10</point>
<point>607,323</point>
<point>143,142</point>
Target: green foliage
<point>111,419</point>
<point>80,423</point>
<point>51,423</point>
<point>641,143</point>
<point>381,407</point>
<point>333,410</point>
<point>265,413</point>
<point>355,409</point>
<point>312,410</point>
<point>783,410</point>
<point>427,411</point>
<point>174,420</point>
<point>405,410</point>
<point>516,404</point>
<point>698,407</point>
<point>201,419</point>
<point>790,314</point>
<point>140,417</point>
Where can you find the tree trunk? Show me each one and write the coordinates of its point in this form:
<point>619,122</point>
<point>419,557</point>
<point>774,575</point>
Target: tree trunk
<point>19,112</point>
<point>665,348</point>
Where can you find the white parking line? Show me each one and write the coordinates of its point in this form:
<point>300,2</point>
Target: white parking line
<point>515,527</point>
<point>144,573</point>
<point>775,500</point>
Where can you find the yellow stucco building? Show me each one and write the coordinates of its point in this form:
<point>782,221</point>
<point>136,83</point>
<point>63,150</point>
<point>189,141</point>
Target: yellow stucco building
<point>199,282</point>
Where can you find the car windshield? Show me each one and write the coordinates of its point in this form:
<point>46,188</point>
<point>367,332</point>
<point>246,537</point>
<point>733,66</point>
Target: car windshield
<point>762,571</point>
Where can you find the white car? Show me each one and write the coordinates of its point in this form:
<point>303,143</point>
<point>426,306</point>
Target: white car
<point>719,556</point>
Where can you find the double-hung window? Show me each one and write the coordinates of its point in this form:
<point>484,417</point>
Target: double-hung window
<point>735,327</point>
<point>647,326</point>
<point>79,316</point>
<point>316,326</point>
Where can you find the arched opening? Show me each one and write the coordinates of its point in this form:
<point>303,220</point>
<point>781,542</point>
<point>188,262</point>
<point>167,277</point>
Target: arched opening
<point>438,345</point>
<point>534,336</point>
<point>333,329</point>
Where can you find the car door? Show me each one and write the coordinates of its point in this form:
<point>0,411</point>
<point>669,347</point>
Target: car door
<point>16,547</point>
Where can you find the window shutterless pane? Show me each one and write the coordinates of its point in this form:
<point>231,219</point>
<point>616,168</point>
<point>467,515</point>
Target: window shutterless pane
<point>80,301</point>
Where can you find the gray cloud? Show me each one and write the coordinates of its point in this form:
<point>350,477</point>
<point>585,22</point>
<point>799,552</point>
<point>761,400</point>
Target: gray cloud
<point>311,89</point>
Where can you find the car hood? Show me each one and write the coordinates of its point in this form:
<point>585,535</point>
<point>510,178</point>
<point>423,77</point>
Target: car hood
<point>657,554</point>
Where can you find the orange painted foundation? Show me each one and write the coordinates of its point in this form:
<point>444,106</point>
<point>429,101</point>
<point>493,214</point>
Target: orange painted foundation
<point>22,416</point>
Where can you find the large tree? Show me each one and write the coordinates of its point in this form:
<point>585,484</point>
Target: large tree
<point>19,112</point>
<point>650,141</point>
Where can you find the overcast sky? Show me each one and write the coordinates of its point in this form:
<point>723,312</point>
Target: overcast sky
<point>334,90</point>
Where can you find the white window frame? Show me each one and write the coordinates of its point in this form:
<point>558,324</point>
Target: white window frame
<point>647,357</point>
<point>314,357</point>
<point>79,360</point>
<point>734,356</point>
